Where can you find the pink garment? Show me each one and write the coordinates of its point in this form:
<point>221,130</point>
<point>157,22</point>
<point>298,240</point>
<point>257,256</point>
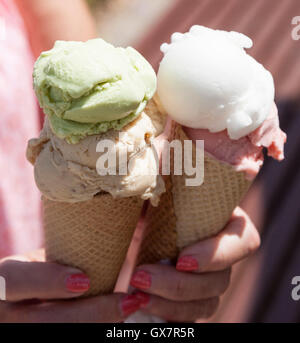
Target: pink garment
<point>20,217</point>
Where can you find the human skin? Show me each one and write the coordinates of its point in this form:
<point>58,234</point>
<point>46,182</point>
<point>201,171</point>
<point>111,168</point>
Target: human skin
<point>191,290</point>
<point>184,293</point>
<point>30,277</point>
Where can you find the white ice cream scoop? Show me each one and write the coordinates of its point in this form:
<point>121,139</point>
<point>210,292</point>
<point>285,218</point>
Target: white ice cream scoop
<point>206,80</point>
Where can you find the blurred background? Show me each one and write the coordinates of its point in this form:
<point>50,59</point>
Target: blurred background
<point>261,286</point>
<point>134,18</point>
<point>147,24</point>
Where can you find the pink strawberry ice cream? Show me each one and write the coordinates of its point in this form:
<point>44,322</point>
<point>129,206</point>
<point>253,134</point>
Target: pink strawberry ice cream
<point>245,154</point>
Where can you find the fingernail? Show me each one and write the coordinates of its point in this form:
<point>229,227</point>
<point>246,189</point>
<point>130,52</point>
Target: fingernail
<point>187,263</point>
<point>143,298</point>
<point>129,304</point>
<point>141,279</point>
<point>77,283</point>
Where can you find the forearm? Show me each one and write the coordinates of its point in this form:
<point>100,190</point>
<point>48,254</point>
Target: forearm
<point>48,21</point>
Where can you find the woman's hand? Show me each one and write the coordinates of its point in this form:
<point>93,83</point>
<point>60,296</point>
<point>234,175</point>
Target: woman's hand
<point>31,283</point>
<point>191,290</point>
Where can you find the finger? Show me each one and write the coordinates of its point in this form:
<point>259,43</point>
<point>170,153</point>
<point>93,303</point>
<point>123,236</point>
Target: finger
<point>108,308</point>
<point>32,256</point>
<point>167,282</point>
<point>188,311</point>
<point>238,240</point>
<point>42,280</point>
<point>37,255</point>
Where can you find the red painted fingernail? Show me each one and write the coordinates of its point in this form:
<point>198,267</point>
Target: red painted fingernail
<point>130,304</point>
<point>77,283</point>
<point>143,298</point>
<point>141,279</point>
<point>187,263</point>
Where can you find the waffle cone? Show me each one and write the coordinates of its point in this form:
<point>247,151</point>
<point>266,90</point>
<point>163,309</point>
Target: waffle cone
<point>160,233</point>
<point>187,214</point>
<point>93,236</point>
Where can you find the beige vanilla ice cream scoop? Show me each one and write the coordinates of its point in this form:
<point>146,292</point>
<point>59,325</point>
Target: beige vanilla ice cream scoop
<point>67,172</point>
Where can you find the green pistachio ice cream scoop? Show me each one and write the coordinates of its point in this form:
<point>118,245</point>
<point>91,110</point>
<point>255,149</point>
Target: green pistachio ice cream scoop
<point>88,88</point>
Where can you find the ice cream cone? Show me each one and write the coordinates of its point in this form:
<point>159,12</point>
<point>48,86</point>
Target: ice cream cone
<point>93,236</point>
<point>187,214</point>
